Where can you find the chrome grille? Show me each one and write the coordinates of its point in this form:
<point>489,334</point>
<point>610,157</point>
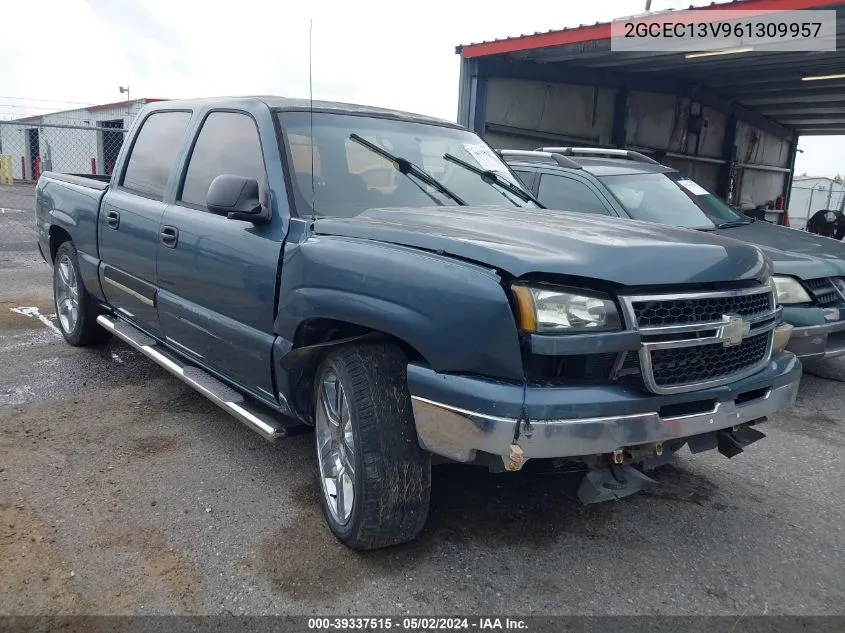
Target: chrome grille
<point>694,341</point>
<point>685,365</point>
<point>661,312</point>
<point>824,292</point>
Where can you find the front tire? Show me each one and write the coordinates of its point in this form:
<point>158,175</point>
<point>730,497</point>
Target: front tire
<point>374,477</point>
<point>76,310</point>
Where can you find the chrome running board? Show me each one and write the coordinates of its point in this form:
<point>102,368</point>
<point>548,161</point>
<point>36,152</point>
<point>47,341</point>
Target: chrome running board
<point>220,394</point>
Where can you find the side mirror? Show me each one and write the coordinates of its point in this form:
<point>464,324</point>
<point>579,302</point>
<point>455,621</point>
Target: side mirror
<point>238,198</point>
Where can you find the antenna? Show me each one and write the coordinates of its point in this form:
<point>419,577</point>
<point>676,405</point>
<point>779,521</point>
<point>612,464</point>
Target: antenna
<point>311,111</point>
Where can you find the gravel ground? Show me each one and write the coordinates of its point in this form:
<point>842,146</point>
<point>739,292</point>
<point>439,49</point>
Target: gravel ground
<point>124,492</point>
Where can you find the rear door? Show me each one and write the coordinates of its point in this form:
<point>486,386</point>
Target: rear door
<point>130,216</point>
<point>218,277</point>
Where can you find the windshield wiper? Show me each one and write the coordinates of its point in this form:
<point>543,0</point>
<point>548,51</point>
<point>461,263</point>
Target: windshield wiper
<point>406,167</point>
<point>492,178</point>
<point>730,225</point>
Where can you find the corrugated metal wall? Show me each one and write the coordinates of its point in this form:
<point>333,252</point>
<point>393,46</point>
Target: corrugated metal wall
<point>524,114</point>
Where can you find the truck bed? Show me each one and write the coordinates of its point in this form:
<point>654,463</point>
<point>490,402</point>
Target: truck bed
<point>70,203</point>
<point>94,181</point>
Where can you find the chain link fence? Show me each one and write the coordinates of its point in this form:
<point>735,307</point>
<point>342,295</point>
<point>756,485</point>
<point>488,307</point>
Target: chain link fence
<point>28,150</point>
<point>809,197</point>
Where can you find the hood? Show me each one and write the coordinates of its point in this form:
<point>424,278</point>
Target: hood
<point>523,241</point>
<point>793,252</point>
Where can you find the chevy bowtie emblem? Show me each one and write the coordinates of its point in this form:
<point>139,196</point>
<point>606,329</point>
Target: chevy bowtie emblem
<point>733,330</point>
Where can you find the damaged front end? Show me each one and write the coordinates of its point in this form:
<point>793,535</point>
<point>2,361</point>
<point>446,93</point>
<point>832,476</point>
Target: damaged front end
<point>622,473</point>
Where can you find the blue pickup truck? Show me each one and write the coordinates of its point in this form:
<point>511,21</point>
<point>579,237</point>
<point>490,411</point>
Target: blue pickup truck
<point>385,279</point>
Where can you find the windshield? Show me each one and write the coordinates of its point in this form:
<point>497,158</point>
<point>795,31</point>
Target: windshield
<point>670,198</point>
<point>349,177</point>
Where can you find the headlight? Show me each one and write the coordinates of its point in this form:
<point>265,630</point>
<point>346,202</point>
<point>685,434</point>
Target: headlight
<point>789,290</point>
<point>546,310</point>
<point>782,334</point>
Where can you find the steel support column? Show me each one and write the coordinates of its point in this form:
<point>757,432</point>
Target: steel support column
<point>619,133</point>
<point>726,171</point>
<point>472,96</point>
<point>787,182</point>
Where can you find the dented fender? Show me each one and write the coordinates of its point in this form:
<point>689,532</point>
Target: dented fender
<point>454,313</point>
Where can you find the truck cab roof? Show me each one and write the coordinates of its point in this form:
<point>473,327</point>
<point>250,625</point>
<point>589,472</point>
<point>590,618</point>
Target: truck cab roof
<point>284,103</point>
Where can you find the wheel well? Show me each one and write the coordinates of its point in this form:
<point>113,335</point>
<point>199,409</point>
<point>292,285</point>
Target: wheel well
<point>58,236</point>
<point>319,331</point>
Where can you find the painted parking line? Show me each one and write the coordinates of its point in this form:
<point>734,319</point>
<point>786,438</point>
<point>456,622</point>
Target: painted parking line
<point>47,320</point>
<point>33,312</point>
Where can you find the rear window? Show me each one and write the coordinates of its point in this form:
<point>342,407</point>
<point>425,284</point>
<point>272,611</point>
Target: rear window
<point>154,153</point>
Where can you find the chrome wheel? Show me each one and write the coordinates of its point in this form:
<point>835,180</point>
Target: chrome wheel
<point>335,447</point>
<point>67,294</point>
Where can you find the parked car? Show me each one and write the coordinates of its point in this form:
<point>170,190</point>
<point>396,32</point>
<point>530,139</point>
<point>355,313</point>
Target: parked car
<point>809,270</point>
<point>239,245</point>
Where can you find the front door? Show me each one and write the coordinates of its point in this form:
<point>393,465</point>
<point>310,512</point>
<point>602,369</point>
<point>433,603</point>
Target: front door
<point>130,216</point>
<point>217,276</point>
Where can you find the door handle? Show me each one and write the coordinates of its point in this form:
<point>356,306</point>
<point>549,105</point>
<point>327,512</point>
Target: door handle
<point>113,219</point>
<point>169,236</point>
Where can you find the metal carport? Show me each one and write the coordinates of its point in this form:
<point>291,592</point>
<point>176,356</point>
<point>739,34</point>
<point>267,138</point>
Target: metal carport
<point>731,121</point>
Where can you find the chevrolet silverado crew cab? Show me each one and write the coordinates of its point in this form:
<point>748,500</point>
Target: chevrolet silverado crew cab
<point>809,270</point>
<point>385,279</point>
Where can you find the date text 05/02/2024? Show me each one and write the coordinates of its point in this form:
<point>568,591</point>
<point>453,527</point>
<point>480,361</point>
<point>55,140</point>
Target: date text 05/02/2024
<point>418,624</point>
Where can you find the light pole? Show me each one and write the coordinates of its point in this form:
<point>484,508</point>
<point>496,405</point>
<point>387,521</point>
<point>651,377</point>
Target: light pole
<point>128,102</point>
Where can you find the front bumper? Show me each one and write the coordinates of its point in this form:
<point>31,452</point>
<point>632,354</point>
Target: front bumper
<point>457,416</point>
<point>818,341</point>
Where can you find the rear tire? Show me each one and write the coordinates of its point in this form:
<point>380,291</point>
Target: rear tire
<point>76,310</point>
<point>365,424</point>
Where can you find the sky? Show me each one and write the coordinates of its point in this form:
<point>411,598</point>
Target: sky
<point>376,52</point>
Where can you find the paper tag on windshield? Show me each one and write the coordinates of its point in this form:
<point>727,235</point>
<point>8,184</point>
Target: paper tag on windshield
<point>693,187</point>
<point>485,157</point>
